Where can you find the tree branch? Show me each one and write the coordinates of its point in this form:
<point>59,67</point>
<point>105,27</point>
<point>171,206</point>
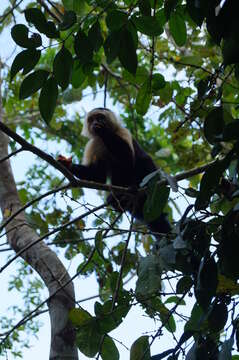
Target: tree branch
<point>38,240</point>
<point>85,183</point>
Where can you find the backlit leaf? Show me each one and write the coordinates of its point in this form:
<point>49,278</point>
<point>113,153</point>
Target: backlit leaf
<point>148,25</point>
<point>116,19</point>
<point>32,83</point>
<point>20,33</point>
<point>140,349</point>
<point>127,52</point>
<point>62,67</point>
<point>48,98</point>
<point>25,60</point>
<point>178,29</point>
<point>83,47</point>
<point>143,98</point>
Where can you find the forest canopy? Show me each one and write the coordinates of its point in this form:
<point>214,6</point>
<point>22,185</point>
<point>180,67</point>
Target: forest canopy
<point>170,69</point>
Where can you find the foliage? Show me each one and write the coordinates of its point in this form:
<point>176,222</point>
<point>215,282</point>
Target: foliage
<point>172,68</point>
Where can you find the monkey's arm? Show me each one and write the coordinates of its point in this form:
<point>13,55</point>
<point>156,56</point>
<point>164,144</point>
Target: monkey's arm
<point>116,145</point>
<point>93,172</point>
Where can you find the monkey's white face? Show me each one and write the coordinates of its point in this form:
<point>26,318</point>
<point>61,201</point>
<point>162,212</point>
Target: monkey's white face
<point>96,122</point>
<point>97,119</point>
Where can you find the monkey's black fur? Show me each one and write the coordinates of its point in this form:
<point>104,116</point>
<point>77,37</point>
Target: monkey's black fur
<point>124,162</point>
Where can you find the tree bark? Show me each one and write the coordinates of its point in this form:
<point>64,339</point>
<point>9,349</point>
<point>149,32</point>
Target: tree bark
<point>43,260</point>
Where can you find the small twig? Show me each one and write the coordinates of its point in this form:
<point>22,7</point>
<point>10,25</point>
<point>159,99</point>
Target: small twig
<point>41,2</point>
<point>10,155</point>
<point>27,247</point>
<point>152,49</point>
<point>10,11</point>
<point>116,293</point>
<point>30,203</point>
<point>105,88</point>
<point>55,8</point>
<point>29,315</point>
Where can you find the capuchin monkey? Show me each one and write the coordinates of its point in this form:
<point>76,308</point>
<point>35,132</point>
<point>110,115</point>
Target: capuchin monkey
<point>112,153</point>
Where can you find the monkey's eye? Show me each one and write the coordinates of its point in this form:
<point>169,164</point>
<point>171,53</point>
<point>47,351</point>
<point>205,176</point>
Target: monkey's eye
<point>96,117</point>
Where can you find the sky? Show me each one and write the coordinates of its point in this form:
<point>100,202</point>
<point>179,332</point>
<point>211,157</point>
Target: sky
<point>136,323</point>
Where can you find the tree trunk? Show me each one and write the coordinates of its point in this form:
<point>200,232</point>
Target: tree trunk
<point>43,260</point>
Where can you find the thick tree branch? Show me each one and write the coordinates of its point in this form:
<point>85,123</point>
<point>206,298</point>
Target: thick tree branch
<point>29,147</point>
<point>85,183</point>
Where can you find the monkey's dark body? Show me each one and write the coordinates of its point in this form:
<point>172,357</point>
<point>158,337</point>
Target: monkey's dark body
<point>124,167</point>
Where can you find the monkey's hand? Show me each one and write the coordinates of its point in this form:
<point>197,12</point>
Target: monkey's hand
<point>67,162</point>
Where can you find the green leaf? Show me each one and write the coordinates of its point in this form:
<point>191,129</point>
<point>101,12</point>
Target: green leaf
<point>23,195</point>
<point>175,300</point>
<point>196,13</point>
<point>116,19</point>
<point>140,349</point>
<point>157,198</point>
<point>37,18</point>
<point>51,31</point>
<point>217,317</point>
<point>143,98</point>
<point>158,82</point>
<point>127,52</point>
<point>169,6</point>
<point>148,25</point>
<point>32,83</point>
<point>167,318</point>
<point>78,75</point>
<point>62,67</point>
<point>19,34</point>
<point>203,86</point>
<point>48,98</point>
<point>69,19</point>
<point>112,46</point>
<point>99,245</point>
<point>149,277</point>
<point>184,285</point>
<point>25,60</point>
<point>79,317</point>
<point>83,48</point>
<point>230,51</point>
<point>144,7</point>
<point>79,6</point>
<point>214,125</point>
<point>195,319</point>
<point>68,4</point>
<point>95,36</point>
<point>191,192</point>
<point>209,181</point>
<point>207,281</point>
<point>108,319</point>
<point>88,338</point>
<point>109,350</point>
<point>132,29</point>
<point>178,29</point>
<point>166,93</point>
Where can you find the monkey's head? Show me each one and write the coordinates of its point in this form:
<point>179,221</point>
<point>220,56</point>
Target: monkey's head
<point>97,120</point>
